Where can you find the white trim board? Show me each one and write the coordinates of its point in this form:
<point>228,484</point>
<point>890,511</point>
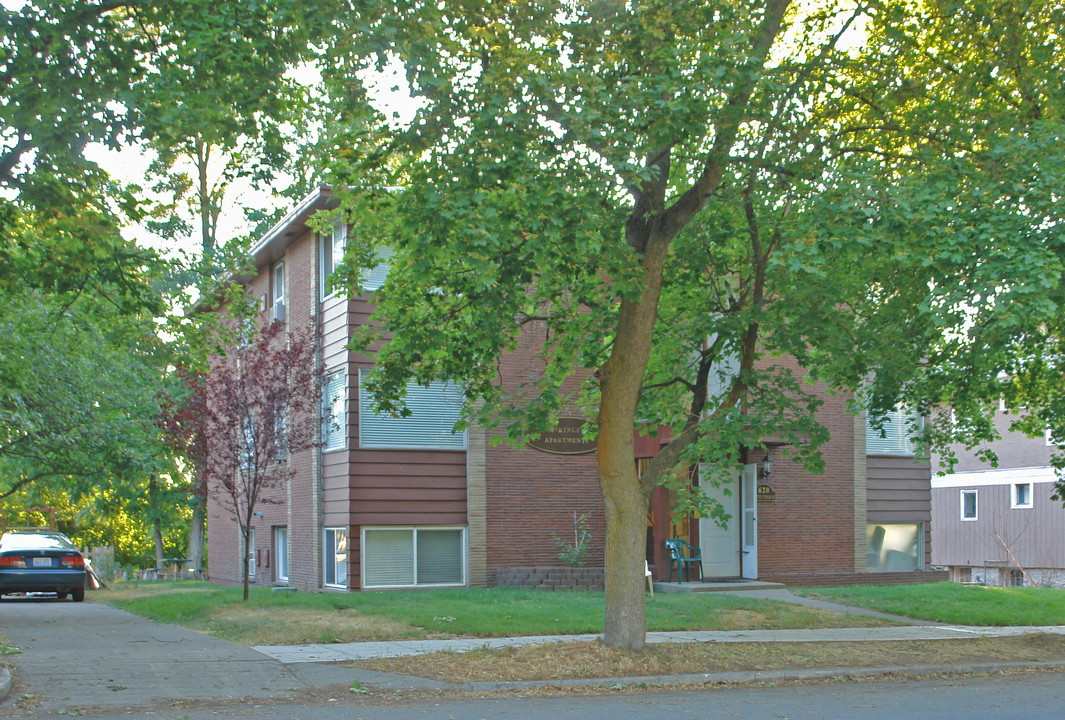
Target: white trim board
<point>1003,476</point>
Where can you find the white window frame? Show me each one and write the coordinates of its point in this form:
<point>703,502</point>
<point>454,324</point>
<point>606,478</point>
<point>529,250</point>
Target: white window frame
<point>335,411</point>
<point>281,435</point>
<point>332,253</point>
<point>1016,502</point>
<point>277,292</point>
<point>247,443</point>
<point>414,529</point>
<point>976,506</point>
<point>919,536</point>
<point>281,553</point>
<point>330,552</point>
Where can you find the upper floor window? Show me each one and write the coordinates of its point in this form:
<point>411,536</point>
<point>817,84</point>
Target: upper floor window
<point>895,435</point>
<point>332,253</point>
<point>968,505</point>
<point>1021,496</point>
<point>277,278</point>
<point>435,409</point>
<point>334,406</point>
<point>375,277</point>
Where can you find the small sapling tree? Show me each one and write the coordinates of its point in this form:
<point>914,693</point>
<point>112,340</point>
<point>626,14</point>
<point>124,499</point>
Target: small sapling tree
<point>261,404</point>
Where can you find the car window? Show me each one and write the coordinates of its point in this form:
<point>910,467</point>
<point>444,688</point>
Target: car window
<point>22,541</point>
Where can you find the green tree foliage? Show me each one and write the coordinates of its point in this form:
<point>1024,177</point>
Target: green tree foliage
<point>66,65</point>
<point>672,197</point>
<point>207,88</point>
<point>80,368</point>
<point>220,103</point>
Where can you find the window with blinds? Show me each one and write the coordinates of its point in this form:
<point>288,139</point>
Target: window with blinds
<point>334,415</point>
<point>375,277</point>
<point>412,557</point>
<point>895,437</point>
<point>431,426</point>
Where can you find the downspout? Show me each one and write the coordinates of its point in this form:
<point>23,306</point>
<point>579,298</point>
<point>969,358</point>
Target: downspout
<point>316,466</point>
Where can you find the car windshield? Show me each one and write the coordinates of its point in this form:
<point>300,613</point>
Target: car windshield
<point>42,541</point>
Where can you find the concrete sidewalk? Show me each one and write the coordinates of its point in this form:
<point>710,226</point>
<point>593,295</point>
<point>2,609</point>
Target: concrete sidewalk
<point>345,652</point>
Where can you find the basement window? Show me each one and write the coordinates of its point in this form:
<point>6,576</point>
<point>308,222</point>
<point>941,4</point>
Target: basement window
<point>413,557</point>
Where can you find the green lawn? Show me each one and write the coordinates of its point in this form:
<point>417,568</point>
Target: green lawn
<point>280,618</point>
<point>299,617</point>
<point>954,604</point>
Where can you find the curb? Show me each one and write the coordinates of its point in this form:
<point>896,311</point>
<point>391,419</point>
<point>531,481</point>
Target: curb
<point>758,676</point>
<point>5,683</point>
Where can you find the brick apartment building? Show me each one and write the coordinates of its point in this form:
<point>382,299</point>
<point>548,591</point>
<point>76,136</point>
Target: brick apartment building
<point>388,503</point>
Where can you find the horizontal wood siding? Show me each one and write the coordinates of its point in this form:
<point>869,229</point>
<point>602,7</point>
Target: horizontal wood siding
<point>334,462</point>
<point>335,488</point>
<point>398,487</point>
<point>418,488</point>
<point>1013,449</point>
<point>899,490</point>
<point>1036,535</point>
<point>334,333</point>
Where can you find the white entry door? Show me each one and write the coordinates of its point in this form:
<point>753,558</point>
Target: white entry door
<point>720,545</point>
<point>749,492</point>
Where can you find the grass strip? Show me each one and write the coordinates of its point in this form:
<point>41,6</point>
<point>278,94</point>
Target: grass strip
<point>285,618</point>
<point>954,604</point>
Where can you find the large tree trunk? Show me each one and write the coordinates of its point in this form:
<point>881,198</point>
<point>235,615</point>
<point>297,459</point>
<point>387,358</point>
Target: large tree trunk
<point>160,555</point>
<point>625,623</point>
<point>197,535</point>
<point>627,502</point>
<point>157,524</point>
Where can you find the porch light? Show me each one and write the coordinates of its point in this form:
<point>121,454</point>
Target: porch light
<point>767,466</point>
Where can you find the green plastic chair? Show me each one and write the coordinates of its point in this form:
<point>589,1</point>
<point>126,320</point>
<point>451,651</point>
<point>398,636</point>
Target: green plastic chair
<point>683,555</point>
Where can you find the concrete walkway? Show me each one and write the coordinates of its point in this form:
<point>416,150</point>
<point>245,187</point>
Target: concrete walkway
<point>343,652</point>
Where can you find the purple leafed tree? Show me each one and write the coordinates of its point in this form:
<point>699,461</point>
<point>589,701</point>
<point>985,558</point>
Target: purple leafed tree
<point>262,404</point>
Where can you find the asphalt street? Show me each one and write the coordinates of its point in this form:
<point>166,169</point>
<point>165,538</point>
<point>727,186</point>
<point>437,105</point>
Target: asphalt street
<point>1016,697</point>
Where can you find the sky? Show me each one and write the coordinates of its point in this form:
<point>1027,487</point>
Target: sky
<point>387,90</point>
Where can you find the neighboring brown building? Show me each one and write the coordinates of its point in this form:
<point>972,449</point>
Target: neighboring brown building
<point>999,526</point>
<point>389,503</point>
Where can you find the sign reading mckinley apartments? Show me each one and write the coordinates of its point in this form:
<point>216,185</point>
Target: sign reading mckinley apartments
<point>566,438</point>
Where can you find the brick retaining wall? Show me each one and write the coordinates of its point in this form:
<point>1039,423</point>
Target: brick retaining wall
<point>551,578</point>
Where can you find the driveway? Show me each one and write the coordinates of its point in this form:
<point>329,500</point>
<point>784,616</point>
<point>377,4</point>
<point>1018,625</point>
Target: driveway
<point>78,655</point>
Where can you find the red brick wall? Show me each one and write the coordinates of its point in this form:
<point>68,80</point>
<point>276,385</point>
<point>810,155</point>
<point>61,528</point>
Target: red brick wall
<point>809,527</point>
<point>531,496</point>
<point>300,518</point>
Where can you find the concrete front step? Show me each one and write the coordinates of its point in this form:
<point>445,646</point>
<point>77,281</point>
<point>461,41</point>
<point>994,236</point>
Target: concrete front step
<point>716,586</point>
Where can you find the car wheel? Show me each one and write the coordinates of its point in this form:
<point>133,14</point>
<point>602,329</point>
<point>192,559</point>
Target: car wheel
<point>78,594</point>
<point>61,596</point>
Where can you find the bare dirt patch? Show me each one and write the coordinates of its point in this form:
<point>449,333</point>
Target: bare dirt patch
<point>778,617</point>
<point>593,660</point>
<point>269,626</point>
